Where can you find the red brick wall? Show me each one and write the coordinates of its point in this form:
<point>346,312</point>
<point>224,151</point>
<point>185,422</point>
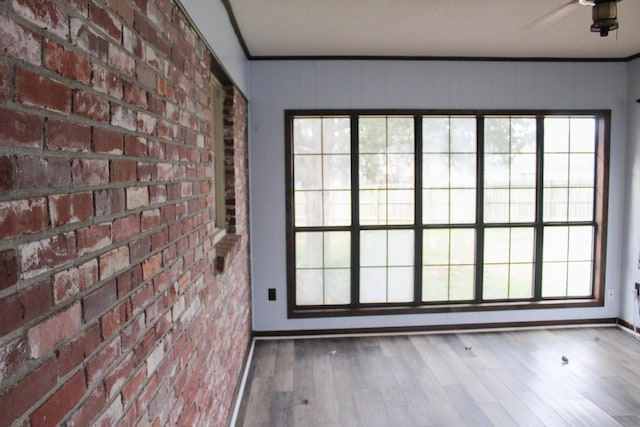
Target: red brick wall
<point>110,306</point>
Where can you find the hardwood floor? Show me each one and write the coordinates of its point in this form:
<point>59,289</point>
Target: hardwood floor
<point>475,379</point>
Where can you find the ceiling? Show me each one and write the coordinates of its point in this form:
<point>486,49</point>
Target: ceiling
<point>429,28</point>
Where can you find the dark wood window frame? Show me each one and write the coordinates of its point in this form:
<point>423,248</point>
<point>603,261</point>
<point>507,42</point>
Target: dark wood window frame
<point>603,124</point>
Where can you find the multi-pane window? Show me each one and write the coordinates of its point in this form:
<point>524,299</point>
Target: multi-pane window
<point>419,210</point>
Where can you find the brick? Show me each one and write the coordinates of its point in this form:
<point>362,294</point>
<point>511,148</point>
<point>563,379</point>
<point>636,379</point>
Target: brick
<point>124,9</point>
<point>16,400</point>
<point>109,201</point>
<point>70,208</point>
<point>36,172</point>
<point>43,13</point>
<point>151,266</point>
<point>52,252</point>
<point>150,219</point>
<point>89,172</point>
<point>123,117</point>
<point>84,37</point>
<point>57,406</point>
<point>121,60</point>
<point>125,228</point>
<point>137,197</point>
<point>129,280</point>
<point>19,41</point>
<point>104,20</point>
<point>20,129</point>
<point>97,302</point>
<point>135,95</point>
<point>146,171</point>
<point>66,62</point>
<point>49,333</point>
<point>107,141</point>
<point>89,408</point>
<point>132,43</point>
<point>5,81</point>
<point>69,283</point>
<point>101,362</point>
<point>134,146</point>
<point>67,136</point>
<point>8,268</point>
<point>91,106</point>
<point>22,217</point>
<point>157,194</point>
<point>75,351</point>
<point>94,238</point>
<point>134,385</point>
<point>139,248</point>
<point>123,171</point>
<point>146,123</point>
<point>112,321</point>
<point>19,309</point>
<point>38,90</point>
<point>133,332</point>
<point>6,174</point>
<point>111,416</point>
<point>114,261</point>
<point>116,380</point>
<point>13,358</point>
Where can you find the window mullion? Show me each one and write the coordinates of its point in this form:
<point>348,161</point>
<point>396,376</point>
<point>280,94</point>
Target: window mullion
<point>355,213</point>
<point>539,224</point>
<point>417,238</point>
<point>479,207</point>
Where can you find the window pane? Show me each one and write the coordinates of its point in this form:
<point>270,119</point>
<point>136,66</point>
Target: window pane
<point>372,134</point>
<point>435,283</point>
<point>337,207</point>
<point>309,250</point>
<point>435,134</point>
<point>496,135</point>
<point>373,284</point>
<point>307,136</point>
<point>522,245</point>
<point>309,287</point>
<point>556,170</point>
<point>308,206</point>
<point>556,244</point>
<point>337,172</point>
<point>496,205</point>
<point>463,135</point>
<point>373,171</point>
<point>463,170</point>
<point>400,135</point>
<point>463,249</point>
<point>400,248</point>
<point>461,279</point>
<point>581,170</point>
<point>400,280</point>
<point>435,171</point>
<point>555,204</point>
<point>336,134</point>
<point>435,247</point>
<point>580,204</point>
<point>436,206</point>
<point>583,131</point>
<point>400,171</point>
<point>579,276</point>
<point>373,207</point>
<point>337,286</point>
<point>554,279</point>
<point>523,205</point>
<point>496,245</point>
<point>308,172</point>
<point>373,248</point>
<point>496,170</point>
<point>523,135</point>
<point>556,134</point>
<point>523,170</point>
<point>580,243</point>
<point>520,281</point>
<point>448,264</point>
<point>495,282</point>
<point>337,249</point>
<point>401,206</point>
<point>463,206</point>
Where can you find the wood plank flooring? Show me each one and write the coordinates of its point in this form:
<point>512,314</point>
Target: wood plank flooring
<point>472,379</point>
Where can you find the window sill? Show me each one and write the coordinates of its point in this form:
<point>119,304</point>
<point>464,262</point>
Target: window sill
<point>225,250</point>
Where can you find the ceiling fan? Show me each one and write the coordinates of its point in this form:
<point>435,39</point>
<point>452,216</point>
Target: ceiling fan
<point>605,15</point>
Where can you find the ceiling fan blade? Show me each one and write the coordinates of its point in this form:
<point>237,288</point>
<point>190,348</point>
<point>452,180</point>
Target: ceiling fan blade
<point>554,15</point>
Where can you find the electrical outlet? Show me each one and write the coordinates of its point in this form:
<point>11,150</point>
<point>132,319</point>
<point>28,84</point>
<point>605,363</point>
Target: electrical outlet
<point>272,294</point>
<point>610,292</point>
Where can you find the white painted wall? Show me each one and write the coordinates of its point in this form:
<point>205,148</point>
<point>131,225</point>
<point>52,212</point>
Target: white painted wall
<point>279,85</point>
<point>631,230</point>
<point>212,20</point>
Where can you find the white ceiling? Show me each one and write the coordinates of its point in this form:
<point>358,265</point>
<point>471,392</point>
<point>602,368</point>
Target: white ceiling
<point>430,28</point>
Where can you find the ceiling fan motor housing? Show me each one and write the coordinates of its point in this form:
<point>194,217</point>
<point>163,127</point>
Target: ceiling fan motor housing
<point>605,17</point>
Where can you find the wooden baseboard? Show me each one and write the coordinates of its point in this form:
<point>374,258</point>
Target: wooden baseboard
<point>242,381</point>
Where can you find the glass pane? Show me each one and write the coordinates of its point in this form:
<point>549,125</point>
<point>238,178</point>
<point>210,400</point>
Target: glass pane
<point>373,248</point>
<point>523,170</point>
<point>336,135</point>
<point>435,283</point>
<point>308,206</point>
<point>308,250</point>
<point>496,205</point>
<point>579,279</point>
<point>463,248</point>
<point>373,171</point>
<point>580,243</point>
<point>337,172</point>
<point>307,136</point>
<point>337,208</point>
<point>373,284</point>
<point>520,281</point>
<point>523,135</point>
<point>435,169</point>
<point>495,281</point>
<point>523,205</point>
<point>400,135</point>
<point>308,172</point>
<point>436,206</point>
<point>461,283</point>
<point>373,207</point>
<point>337,286</point>
<point>463,170</point>
<point>496,170</point>
<point>372,134</point>
<point>496,135</point>
<point>309,287</point>
<point>463,206</point>
<point>581,170</point>
<point>580,204</point>
<point>583,134</point>
<point>400,248</point>
<point>556,170</point>
<point>400,171</point>
<point>556,134</point>
<point>401,206</point>
<point>435,247</point>
<point>555,204</point>
<point>556,241</point>
<point>463,135</point>
<point>554,279</point>
<point>400,280</point>
<point>496,245</point>
<point>435,134</point>
<point>337,249</point>
<point>522,245</point>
